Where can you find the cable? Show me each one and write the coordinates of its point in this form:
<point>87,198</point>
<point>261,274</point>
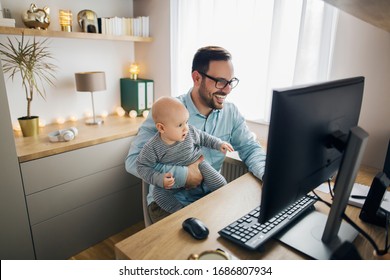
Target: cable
<point>330,187</point>
<point>361,231</point>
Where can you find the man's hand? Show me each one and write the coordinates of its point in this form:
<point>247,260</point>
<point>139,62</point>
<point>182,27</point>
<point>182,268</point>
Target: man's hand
<point>194,177</point>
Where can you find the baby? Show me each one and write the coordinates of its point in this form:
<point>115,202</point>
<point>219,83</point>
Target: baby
<point>176,143</point>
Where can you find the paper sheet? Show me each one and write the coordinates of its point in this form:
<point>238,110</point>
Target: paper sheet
<point>362,190</point>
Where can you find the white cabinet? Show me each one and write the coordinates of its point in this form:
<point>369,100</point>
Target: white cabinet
<point>78,198</point>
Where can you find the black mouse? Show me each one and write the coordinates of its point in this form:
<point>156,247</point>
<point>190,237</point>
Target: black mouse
<point>195,228</point>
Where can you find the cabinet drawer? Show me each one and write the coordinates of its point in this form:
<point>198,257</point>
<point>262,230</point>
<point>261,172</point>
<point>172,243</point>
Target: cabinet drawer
<point>46,172</point>
<point>65,197</point>
<point>66,235</point>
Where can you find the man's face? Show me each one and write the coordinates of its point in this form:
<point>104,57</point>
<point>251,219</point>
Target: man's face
<point>209,94</point>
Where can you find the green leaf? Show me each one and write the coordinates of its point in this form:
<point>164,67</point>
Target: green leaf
<point>30,59</point>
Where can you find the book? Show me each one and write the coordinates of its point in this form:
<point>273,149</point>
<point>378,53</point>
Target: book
<point>9,22</point>
<point>138,27</point>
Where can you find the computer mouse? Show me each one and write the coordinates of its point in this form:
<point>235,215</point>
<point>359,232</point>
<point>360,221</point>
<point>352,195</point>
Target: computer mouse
<point>196,228</point>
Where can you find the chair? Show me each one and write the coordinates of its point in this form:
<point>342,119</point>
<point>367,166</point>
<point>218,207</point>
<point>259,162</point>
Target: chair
<point>145,191</point>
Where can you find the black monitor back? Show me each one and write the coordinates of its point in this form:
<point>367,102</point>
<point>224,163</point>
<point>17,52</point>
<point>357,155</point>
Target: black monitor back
<point>299,152</point>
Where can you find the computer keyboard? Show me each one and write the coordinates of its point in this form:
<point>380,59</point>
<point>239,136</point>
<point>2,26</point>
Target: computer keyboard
<point>249,233</point>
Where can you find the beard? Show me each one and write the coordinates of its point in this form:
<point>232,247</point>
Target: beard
<point>210,98</point>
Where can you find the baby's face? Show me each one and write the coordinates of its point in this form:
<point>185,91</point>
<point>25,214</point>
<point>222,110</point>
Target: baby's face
<point>176,128</point>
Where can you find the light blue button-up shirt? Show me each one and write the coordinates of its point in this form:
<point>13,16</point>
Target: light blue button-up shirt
<point>227,124</point>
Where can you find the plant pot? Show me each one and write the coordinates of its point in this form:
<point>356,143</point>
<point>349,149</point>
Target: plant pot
<point>29,125</point>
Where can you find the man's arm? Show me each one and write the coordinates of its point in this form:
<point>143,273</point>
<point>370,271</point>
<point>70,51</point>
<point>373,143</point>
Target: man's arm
<point>249,150</point>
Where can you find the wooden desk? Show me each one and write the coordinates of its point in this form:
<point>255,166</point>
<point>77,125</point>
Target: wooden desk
<point>167,240</point>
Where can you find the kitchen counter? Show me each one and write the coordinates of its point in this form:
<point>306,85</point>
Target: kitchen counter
<point>114,127</point>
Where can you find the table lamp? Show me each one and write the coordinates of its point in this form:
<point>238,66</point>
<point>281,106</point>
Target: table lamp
<point>134,71</point>
<point>91,82</point>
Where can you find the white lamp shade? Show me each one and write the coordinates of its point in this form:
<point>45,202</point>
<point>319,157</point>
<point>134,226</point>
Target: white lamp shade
<point>90,81</point>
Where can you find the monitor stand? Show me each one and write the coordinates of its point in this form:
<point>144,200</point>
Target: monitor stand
<point>305,236</point>
<point>318,235</point>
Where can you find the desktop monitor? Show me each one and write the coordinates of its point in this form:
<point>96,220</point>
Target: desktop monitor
<point>309,141</point>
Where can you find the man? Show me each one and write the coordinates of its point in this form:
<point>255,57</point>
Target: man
<point>213,78</point>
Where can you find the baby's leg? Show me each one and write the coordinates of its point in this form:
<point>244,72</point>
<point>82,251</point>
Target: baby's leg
<point>166,200</point>
<point>212,178</point>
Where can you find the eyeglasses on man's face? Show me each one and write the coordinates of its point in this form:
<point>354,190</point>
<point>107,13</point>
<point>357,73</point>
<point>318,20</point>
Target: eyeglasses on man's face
<point>222,83</point>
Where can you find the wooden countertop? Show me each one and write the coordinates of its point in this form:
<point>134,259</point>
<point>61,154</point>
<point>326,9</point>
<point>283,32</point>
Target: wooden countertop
<point>114,127</point>
<point>167,240</point>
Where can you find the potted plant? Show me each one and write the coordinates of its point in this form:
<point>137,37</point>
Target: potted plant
<point>29,59</point>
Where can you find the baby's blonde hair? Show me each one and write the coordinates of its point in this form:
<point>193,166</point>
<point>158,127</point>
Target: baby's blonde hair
<point>166,108</point>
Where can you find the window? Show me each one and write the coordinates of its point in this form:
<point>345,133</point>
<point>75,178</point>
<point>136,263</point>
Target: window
<point>273,43</point>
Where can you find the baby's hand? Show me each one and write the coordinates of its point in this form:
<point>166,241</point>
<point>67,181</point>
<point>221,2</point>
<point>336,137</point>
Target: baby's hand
<point>226,147</point>
<point>169,181</point>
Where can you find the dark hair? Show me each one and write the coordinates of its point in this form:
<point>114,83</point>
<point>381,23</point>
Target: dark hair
<point>204,55</point>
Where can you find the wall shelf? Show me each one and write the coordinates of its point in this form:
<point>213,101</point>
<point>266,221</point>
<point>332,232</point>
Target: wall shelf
<point>70,35</point>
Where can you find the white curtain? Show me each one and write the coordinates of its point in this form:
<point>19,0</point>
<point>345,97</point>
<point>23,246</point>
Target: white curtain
<point>274,43</point>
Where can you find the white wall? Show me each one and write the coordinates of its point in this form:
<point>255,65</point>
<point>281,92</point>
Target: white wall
<point>362,49</point>
<point>74,55</point>
<point>154,58</point>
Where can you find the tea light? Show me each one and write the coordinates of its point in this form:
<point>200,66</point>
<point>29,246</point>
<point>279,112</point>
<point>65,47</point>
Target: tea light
<point>60,120</point>
<point>133,114</point>
<point>42,123</point>
<point>145,113</point>
<point>16,127</point>
<point>104,114</point>
<point>73,118</point>
<point>120,111</point>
